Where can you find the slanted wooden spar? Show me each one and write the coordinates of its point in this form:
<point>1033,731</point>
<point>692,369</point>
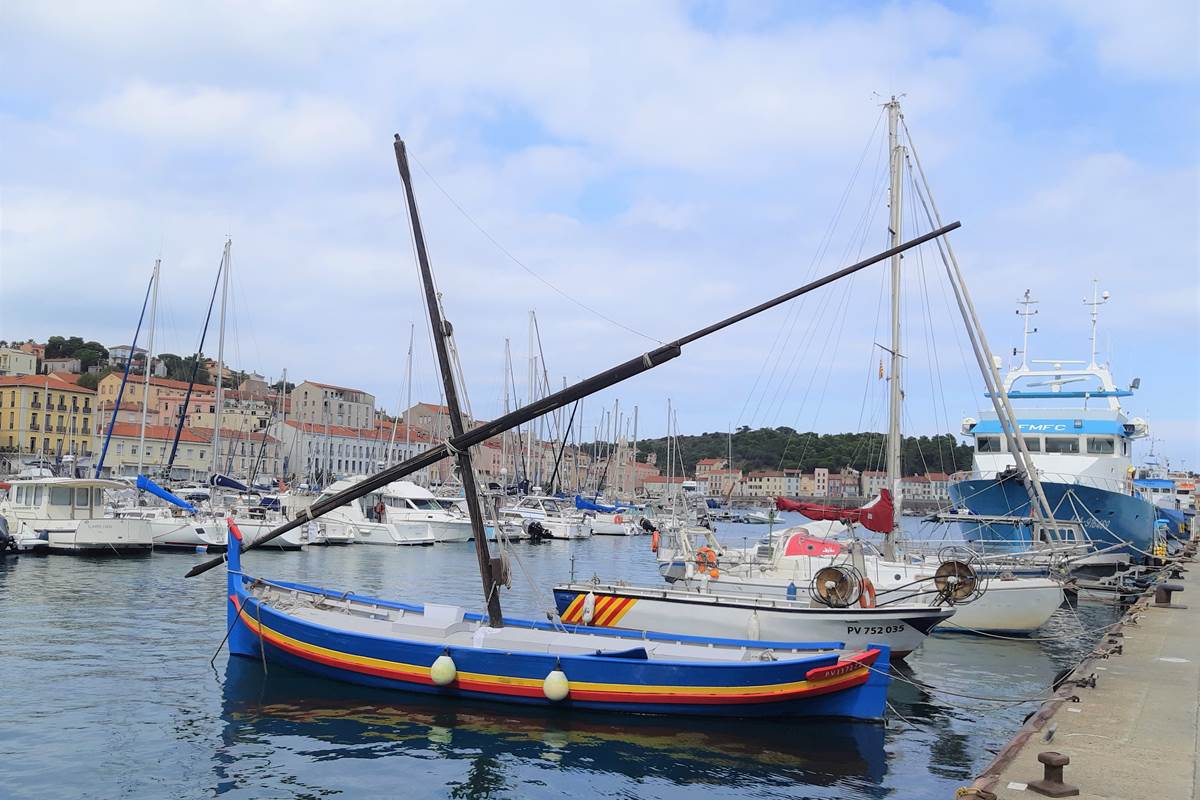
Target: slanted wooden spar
<point>442,330</point>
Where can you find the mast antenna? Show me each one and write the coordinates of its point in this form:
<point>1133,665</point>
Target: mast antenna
<point>1026,311</point>
<point>1098,299</point>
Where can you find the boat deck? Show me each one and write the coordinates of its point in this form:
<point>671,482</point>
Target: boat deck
<point>446,625</point>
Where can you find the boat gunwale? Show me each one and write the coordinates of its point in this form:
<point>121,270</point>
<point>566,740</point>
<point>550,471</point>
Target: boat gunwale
<point>810,650</point>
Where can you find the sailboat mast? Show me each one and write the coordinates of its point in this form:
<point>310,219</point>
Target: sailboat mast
<point>441,332</point>
<point>1026,312</point>
<point>216,458</point>
<point>146,365</point>
<point>896,395</point>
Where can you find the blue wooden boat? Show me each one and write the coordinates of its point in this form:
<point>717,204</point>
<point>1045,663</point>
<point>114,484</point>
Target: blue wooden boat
<point>435,649</point>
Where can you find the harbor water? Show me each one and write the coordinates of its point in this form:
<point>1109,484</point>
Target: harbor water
<point>109,692</point>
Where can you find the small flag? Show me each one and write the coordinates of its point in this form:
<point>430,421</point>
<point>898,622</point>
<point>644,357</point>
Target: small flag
<point>881,369</point>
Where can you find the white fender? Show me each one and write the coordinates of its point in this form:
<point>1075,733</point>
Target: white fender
<point>443,672</point>
<point>589,608</point>
<point>556,686</point>
<point>753,628</point>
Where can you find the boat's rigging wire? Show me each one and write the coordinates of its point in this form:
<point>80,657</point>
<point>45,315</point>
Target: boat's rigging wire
<point>815,324</point>
<point>818,257</point>
<point>508,253</point>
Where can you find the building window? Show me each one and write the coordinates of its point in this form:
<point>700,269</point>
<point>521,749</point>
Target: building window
<point>988,444</point>
<point>1062,444</point>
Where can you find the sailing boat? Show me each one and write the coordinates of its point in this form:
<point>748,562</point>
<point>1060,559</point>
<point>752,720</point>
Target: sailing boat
<point>442,649</point>
<point>1010,604</point>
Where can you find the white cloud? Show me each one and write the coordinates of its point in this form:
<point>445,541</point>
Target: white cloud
<point>291,129</point>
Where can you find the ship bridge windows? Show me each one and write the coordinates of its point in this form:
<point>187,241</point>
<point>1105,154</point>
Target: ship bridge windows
<point>1033,443</point>
<point>60,496</point>
<point>1100,445</point>
<point>988,444</point>
<point>1062,444</point>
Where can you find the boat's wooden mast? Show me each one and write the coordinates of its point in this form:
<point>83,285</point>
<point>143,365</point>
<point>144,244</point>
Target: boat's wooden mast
<point>441,331</point>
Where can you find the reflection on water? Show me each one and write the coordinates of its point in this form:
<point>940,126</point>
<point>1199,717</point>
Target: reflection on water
<point>350,722</point>
<point>107,665</point>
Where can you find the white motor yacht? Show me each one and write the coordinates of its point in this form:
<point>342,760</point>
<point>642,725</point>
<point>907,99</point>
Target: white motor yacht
<point>69,515</point>
<point>416,512</point>
<point>361,520</point>
<point>174,528</point>
<point>556,518</point>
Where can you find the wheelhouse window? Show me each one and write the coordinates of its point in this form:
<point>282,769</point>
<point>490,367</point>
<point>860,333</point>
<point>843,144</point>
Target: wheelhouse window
<point>988,444</point>
<point>60,496</point>
<point>19,497</point>
<point>98,498</point>
<point>37,496</point>
<point>1101,445</point>
<point>1033,443</point>
<point>81,498</point>
<point>1062,444</point>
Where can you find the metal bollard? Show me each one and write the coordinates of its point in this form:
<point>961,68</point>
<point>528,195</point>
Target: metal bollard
<point>1162,595</point>
<point>1051,784</point>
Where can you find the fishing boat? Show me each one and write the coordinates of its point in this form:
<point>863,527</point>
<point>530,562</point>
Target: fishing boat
<point>710,612</point>
<point>1080,441</point>
<point>443,650</point>
<point>792,561</point>
<point>70,515</point>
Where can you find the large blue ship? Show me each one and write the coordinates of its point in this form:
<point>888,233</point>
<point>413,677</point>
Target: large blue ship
<point>1081,440</point>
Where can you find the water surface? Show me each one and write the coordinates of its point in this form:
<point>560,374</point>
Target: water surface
<point>109,693</point>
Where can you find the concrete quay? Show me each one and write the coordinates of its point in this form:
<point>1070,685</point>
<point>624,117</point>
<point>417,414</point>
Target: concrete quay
<point>1134,733</point>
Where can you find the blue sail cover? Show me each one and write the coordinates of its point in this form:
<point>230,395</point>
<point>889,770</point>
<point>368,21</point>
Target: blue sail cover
<point>588,505</point>
<point>228,483</point>
<point>147,485</point>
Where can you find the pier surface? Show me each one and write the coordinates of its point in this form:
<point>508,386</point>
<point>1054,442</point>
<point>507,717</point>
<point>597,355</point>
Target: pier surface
<point>1135,734</point>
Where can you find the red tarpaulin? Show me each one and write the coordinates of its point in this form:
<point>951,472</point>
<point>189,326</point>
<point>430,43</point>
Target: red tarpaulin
<point>876,515</point>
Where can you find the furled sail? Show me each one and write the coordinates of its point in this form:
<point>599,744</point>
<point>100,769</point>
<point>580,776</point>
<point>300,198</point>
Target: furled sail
<point>877,515</point>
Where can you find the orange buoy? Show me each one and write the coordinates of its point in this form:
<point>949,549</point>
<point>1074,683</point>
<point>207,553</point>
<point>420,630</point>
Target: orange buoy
<point>654,538</point>
<point>867,598</point>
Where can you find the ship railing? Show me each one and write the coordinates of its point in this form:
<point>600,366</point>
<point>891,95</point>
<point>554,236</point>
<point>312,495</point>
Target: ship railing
<point>1118,485</point>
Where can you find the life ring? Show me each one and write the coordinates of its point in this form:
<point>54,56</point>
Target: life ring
<point>866,599</point>
<point>654,539</point>
<point>617,519</point>
<point>706,558</point>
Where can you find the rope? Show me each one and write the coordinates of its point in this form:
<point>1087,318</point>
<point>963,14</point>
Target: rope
<point>933,690</point>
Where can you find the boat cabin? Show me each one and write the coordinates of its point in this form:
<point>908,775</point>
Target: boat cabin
<point>60,498</point>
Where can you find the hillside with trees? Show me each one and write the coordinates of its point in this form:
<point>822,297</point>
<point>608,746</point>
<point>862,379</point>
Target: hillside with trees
<point>785,448</point>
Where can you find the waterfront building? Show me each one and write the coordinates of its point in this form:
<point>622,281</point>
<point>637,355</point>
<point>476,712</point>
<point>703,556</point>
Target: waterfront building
<point>321,403</point>
<point>17,362</point>
<point>320,454</point>
<point>46,415</point>
<point>724,482</point>
<point>766,483</point>
<point>871,482</point>
<point>707,465</point>
<point>193,455</point>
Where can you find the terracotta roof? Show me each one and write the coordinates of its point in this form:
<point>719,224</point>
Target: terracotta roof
<point>227,435</point>
<point>765,474</point>
<point>380,433</point>
<point>664,479</point>
<point>169,383</point>
<point>43,381</point>
<point>68,377</point>
<point>710,461</point>
<point>126,405</point>
<point>156,432</point>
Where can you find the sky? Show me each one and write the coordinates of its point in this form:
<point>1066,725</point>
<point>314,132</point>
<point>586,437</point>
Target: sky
<point>631,172</point>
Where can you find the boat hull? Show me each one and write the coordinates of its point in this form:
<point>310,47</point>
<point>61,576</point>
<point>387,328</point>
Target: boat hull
<point>902,629</point>
<point>818,685</point>
<point>107,536</point>
<point>1124,518</point>
<point>188,534</point>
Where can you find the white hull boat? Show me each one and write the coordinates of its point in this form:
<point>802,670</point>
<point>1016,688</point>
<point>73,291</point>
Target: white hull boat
<point>550,514</point>
<point>710,613</point>
<point>68,514</point>
<point>1009,605</point>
